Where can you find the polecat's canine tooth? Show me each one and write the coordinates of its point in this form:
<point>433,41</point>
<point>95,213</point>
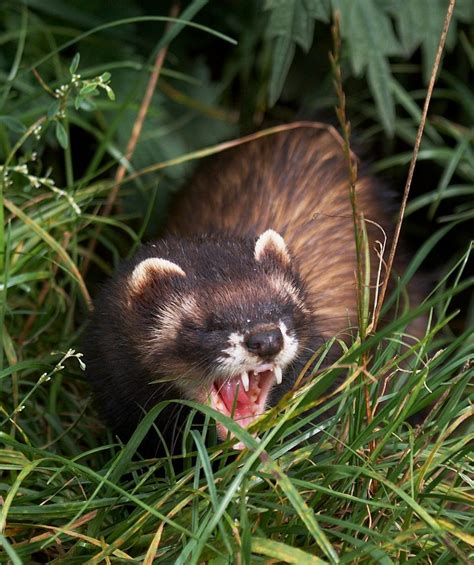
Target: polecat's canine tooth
<point>278,374</point>
<point>244,377</point>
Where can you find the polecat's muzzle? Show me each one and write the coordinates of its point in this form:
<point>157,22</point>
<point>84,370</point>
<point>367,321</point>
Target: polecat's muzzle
<point>265,343</point>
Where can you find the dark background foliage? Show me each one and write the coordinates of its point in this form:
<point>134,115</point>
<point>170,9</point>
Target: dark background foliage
<point>72,78</point>
<point>212,90</point>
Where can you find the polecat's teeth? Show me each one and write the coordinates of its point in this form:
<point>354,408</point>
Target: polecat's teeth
<point>278,374</point>
<point>263,368</point>
<point>244,377</point>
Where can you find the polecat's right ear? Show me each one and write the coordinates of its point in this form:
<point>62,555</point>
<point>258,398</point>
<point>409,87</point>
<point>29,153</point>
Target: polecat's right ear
<point>270,245</point>
<point>150,270</point>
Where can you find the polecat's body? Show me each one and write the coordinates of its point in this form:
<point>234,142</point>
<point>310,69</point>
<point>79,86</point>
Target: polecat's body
<point>221,310</point>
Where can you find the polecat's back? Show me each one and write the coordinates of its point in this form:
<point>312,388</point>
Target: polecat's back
<point>296,183</point>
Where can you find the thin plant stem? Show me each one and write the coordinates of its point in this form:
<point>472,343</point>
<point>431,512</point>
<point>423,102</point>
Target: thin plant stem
<point>352,169</point>
<point>360,234</point>
<point>411,170</point>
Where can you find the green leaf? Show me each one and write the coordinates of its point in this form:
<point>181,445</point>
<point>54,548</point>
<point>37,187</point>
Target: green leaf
<point>289,18</point>
<point>379,79</point>
<point>457,155</point>
<point>464,10</point>
<point>86,104</point>
<point>319,9</point>
<point>433,20</point>
<point>368,31</point>
<point>421,23</point>
<point>74,63</point>
<point>110,92</point>
<point>12,124</point>
<point>371,38</point>
<point>78,101</point>
<point>54,108</point>
<point>105,76</point>
<point>61,135</point>
<point>282,57</point>
<point>304,511</point>
<point>36,227</point>
<point>88,88</point>
<point>409,25</point>
<point>290,22</point>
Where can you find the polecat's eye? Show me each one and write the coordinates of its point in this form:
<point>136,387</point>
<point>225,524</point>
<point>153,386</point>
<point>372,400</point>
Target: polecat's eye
<point>192,325</point>
<point>214,324</point>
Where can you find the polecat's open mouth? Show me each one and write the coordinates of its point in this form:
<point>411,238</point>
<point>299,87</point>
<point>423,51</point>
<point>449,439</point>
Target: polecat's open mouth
<point>244,396</point>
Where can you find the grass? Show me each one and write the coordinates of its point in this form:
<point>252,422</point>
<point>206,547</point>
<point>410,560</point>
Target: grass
<point>325,483</point>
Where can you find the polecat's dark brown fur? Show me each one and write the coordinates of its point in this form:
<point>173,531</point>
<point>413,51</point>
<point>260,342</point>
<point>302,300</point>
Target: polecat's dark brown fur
<point>222,308</point>
<point>296,183</point>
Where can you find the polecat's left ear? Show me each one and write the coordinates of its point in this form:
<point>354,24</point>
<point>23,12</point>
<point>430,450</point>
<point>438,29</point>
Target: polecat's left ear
<point>270,245</point>
<point>153,269</point>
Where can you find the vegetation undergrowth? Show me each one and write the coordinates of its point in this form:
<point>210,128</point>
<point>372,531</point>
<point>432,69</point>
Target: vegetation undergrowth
<point>336,476</point>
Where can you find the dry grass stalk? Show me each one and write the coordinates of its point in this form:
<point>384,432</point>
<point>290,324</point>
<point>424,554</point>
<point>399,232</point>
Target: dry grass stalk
<point>416,149</point>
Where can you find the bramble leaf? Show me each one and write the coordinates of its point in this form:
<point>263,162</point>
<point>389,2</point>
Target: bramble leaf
<point>420,23</point>
<point>290,22</point>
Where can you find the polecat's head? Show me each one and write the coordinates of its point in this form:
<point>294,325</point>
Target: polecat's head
<point>224,324</point>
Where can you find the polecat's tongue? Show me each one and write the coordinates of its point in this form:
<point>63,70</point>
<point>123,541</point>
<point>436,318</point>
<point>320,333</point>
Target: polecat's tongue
<point>229,397</point>
<point>236,400</point>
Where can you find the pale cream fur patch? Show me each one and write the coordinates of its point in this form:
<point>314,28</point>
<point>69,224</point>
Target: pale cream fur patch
<point>271,241</point>
<point>169,320</point>
<point>151,268</point>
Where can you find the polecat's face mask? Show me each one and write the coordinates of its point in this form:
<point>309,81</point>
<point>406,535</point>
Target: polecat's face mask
<point>225,338</point>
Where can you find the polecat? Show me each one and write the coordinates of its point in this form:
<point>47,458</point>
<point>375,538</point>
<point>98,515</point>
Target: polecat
<point>255,271</point>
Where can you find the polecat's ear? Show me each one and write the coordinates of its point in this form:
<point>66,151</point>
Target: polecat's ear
<point>270,244</point>
<point>152,269</point>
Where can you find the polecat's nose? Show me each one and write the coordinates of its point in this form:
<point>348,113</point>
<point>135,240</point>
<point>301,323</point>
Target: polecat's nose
<point>265,343</point>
